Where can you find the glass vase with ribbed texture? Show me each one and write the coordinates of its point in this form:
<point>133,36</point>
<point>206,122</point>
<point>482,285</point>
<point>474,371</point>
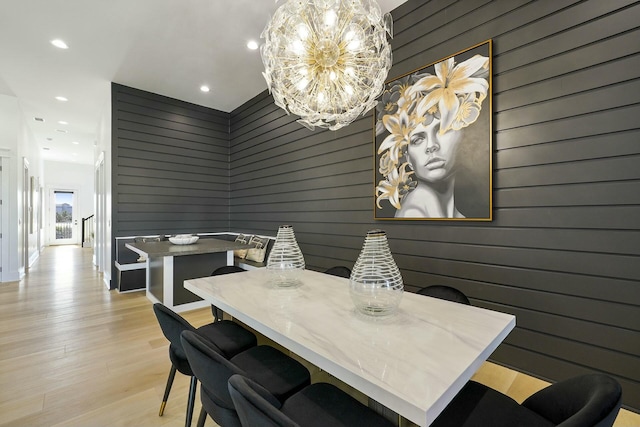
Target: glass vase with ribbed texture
<point>376,284</point>
<point>285,262</point>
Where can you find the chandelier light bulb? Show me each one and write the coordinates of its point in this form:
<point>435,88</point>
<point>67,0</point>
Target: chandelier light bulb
<point>326,60</point>
<point>297,47</point>
<point>302,84</point>
<point>330,18</point>
<point>303,31</point>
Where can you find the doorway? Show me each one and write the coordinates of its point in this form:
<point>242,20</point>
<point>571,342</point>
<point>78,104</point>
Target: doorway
<point>63,228</point>
<point>26,212</point>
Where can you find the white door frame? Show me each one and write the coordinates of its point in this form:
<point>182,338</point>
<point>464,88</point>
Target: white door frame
<point>75,227</point>
<point>101,213</point>
<point>25,214</point>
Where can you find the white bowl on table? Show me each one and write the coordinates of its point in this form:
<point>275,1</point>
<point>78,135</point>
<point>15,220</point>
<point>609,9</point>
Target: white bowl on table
<point>183,239</point>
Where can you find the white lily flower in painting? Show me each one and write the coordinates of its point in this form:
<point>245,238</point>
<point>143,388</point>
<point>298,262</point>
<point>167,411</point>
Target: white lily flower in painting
<point>395,187</point>
<point>399,127</point>
<point>450,81</point>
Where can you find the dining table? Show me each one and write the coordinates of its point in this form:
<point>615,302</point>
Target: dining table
<point>169,264</point>
<point>412,362</point>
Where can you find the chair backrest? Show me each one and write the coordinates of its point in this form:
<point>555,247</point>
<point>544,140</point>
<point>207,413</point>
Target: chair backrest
<point>340,271</point>
<point>445,292</point>
<point>227,269</point>
<point>210,368</point>
<point>588,400</point>
<point>255,405</point>
<point>172,325</point>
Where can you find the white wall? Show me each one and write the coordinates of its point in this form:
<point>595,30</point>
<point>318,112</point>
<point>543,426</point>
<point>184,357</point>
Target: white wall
<point>28,149</point>
<point>68,176</point>
<point>17,144</point>
<point>11,230</point>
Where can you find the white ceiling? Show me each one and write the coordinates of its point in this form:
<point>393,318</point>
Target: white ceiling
<point>169,47</point>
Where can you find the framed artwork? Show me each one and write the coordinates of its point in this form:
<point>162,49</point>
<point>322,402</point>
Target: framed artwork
<point>433,144</point>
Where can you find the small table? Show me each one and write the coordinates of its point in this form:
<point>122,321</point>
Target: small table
<point>413,362</point>
<point>168,265</point>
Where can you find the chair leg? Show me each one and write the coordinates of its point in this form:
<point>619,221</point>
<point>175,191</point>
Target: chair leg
<point>217,313</point>
<point>202,418</point>
<point>192,400</point>
<point>167,389</point>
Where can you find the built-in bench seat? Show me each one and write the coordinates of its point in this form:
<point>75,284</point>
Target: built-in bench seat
<point>131,274</point>
<point>247,264</point>
<point>131,268</point>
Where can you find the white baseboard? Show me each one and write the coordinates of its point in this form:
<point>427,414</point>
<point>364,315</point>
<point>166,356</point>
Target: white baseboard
<point>11,276</point>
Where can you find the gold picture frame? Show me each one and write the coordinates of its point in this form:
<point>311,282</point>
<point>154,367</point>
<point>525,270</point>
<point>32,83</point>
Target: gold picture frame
<point>433,141</point>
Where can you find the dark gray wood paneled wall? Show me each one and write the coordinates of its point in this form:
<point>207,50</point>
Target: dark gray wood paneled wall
<point>562,252</point>
<point>170,165</point>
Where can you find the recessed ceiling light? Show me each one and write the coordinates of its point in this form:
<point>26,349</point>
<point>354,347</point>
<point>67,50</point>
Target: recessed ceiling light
<point>61,98</point>
<point>59,43</point>
<point>49,139</point>
<point>252,44</point>
<point>75,142</point>
<point>62,122</point>
<point>204,88</point>
<point>38,119</point>
<point>46,148</point>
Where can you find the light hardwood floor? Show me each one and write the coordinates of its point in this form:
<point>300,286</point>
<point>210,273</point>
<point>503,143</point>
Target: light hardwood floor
<point>73,353</point>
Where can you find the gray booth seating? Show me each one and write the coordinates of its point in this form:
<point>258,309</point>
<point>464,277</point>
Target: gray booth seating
<point>131,270</point>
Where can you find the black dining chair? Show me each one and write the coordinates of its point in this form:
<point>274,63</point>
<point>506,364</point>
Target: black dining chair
<point>225,269</point>
<point>320,404</point>
<point>591,400</point>
<point>279,373</point>
<point>339,270</point>
<point>230,337</point>
<point>445,292</point>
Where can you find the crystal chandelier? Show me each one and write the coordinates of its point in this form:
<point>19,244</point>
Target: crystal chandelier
<point>326,60</point>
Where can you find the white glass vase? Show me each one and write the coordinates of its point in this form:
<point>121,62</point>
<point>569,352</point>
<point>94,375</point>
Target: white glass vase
<point>285,262</point>
<point>375,284</point>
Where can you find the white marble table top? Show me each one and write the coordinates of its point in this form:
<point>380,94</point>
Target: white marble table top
<point>413,362</point>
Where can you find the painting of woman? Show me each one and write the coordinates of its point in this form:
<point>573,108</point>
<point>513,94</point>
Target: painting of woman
<point>431,127</point>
